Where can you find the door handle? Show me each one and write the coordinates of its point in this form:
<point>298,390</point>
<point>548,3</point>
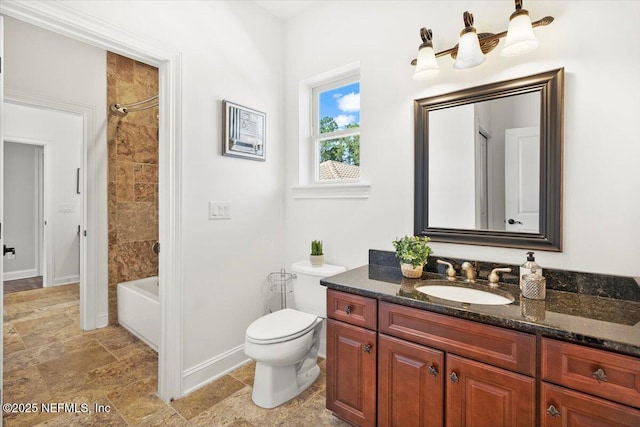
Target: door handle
<point>513,221</point>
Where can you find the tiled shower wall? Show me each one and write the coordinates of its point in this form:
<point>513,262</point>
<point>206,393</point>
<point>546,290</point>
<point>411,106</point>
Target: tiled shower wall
<point>132,175</point>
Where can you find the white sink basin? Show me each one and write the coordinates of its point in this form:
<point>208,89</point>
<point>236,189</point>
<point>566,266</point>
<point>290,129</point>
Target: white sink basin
<point>471,296</point>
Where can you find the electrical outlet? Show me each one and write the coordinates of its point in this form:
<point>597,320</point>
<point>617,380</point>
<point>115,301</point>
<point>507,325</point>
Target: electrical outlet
<point>219,210</point>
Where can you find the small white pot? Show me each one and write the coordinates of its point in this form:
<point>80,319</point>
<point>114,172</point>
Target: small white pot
<point>316,260</point>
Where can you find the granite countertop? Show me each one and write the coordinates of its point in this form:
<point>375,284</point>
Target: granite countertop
<point>601,322</point>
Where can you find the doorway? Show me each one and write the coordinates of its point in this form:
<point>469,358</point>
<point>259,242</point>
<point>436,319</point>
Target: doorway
<point>43,204</point>
<point>24,263</point>
<point>95,32</point>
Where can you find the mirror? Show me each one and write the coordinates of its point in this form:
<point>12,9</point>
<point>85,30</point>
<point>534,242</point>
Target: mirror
<point>488,164</point>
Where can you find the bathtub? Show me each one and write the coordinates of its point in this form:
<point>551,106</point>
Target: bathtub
<point>139,309</point>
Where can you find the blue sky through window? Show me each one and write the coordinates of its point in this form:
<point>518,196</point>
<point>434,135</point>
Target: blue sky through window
<point>342,104</point>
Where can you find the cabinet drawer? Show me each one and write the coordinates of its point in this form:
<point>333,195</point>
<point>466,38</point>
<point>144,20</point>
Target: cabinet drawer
<point>560,407</point>
<point>501,347</point>
<point>353,309</point>
<point>598,372</point>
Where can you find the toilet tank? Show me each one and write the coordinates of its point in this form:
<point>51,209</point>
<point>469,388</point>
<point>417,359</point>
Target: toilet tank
<point>309,295</point>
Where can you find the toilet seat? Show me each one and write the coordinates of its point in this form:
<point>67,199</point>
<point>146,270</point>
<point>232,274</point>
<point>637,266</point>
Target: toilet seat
<point>280,326</point>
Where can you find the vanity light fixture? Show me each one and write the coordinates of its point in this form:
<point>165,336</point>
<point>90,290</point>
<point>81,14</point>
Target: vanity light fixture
<point>471,47</point>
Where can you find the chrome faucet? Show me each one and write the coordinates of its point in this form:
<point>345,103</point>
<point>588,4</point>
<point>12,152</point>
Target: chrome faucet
<point>494,277</point>
<point>451,272</point>
<point>470,270</point>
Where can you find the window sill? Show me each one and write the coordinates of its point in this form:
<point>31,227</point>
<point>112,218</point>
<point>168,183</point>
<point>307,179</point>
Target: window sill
<point>358,190</point>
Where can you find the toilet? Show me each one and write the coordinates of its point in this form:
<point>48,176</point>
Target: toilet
<point>285,343</point>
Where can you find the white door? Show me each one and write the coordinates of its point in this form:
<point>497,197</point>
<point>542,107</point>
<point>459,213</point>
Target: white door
<point>522,179</point>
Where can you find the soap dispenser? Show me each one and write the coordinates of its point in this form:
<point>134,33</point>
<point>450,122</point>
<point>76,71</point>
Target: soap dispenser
<point>529,267</point>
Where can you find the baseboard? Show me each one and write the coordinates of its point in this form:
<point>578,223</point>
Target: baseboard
<point>212,369</point>
<point>65,280</point>
<point>22,274</point>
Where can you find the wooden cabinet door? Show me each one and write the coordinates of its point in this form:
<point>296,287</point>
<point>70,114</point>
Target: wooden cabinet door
<point>480,395</point>
<point>410,384</point>
<point>351,373</point>
<point>561,407</point>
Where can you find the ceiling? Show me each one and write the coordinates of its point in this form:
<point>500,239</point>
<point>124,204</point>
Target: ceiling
<point>285,9</point>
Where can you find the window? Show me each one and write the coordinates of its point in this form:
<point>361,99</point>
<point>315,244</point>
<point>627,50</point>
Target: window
<point>335,131</point>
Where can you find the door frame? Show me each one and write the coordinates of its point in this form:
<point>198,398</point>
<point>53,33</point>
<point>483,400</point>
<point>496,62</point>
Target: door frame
<point>44,238</point>
<point>72,23</point>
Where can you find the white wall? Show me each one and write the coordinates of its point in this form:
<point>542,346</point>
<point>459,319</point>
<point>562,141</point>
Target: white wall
<point>230,50</point>
<point>62,133</point>
<point>21,189</point>
<point>75,74</point>
<point>601,145</point>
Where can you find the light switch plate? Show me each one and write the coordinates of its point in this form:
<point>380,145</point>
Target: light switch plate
<point>219,210</point>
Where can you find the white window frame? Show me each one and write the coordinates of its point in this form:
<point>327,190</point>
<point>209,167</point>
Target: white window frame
<point>317,137</point>
<point>309,186</point>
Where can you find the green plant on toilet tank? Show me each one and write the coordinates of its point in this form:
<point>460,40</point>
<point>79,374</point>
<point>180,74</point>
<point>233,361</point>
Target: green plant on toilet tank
<point>317,256</point>
<point>413,252</point>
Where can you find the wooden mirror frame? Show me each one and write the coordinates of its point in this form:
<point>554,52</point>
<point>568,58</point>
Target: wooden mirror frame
<point>550,84</point>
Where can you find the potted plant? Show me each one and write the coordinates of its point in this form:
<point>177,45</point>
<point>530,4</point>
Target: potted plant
<point>317,256</point>
<point>413,252</point>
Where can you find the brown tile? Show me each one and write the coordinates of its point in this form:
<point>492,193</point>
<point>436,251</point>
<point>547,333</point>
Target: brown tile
<point>107,378</point>
<point>245,373</point>
<point>313,413</point>
<point>137,222</point>
<point>47,329</point>
<point>165,418</point>
<point>239,406</point>
<point>137,401</point>
<point>44,294</point>
<point>11,339</point>
<point>72,366</point>
<point>136,143</point>
<point>122,344</point>
<point>125,191</point>
<point>49,352</point>
<point>113,265</point>
<point>144,192</point>
<point>136,260</point>
<point>113,300</point>
<point>25,386</point>
<point>145,173</point>
<point>124,68</point>
<point>100,412</point>
<point>207,396</point>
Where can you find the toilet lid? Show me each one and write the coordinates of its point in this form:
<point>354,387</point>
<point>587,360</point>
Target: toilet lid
<point>280,326</point>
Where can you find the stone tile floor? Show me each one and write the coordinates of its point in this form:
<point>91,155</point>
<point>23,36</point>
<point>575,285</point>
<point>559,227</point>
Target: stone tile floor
<point>48,359</point>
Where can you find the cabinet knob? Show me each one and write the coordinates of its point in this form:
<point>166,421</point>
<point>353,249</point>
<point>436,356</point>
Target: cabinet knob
<point>347,309</point>
<point>551,410</point>
<point>367,348</point>
<point>599,375</point>
<point>433,371</point>
<point>454,377</point>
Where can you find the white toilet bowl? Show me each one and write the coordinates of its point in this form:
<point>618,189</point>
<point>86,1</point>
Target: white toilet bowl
<point>285,343</point>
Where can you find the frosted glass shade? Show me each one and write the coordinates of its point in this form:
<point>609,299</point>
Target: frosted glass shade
<point>427,65</point>
<point>469,53</point>
<point>520,37</point>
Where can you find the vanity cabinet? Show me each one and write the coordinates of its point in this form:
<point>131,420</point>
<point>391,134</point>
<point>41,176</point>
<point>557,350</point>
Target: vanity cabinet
<point>585,386</point>
<point>410,384</point>
<point>351,357</point>
<point>435,358</point>
<point>393,365</point>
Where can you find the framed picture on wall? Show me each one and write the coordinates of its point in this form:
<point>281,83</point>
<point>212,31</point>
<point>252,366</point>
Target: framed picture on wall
<point>243,132</point>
